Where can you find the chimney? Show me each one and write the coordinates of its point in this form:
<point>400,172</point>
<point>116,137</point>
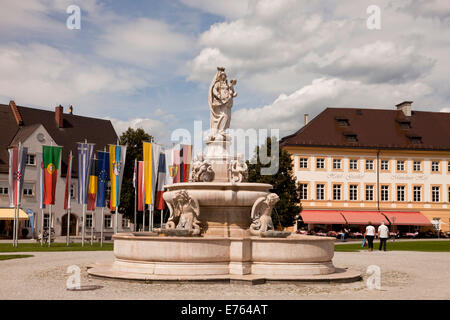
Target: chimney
<point>59,116</point>
<point>70,109</point>
<point>405,107</point>
<point>306,119</point>
<point>16,113</point>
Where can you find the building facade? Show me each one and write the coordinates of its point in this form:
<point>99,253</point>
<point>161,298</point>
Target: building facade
<point>374,165</point>
<point>35,128</point>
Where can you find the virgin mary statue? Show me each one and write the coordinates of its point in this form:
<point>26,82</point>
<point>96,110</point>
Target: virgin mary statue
<point>220,99</point>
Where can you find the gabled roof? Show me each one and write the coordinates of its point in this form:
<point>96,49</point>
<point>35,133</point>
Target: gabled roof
<point>75,129</point>
<point>374,128</point>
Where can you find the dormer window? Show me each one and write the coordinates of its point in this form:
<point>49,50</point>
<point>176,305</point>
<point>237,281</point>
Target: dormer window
<point>404,124</point>
<point>350,137</point>
<point>414,139</point>
<point>342,122</point>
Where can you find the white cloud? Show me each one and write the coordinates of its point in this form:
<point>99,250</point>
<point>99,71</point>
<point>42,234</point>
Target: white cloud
<point>227,8</point>
<point>155,128</point>
<point>286,112</point>
<point>143,42</point>
<point>40,74</point>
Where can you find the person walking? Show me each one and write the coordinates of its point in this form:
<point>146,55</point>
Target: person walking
<point>370,235</point>
<point>383,234</point>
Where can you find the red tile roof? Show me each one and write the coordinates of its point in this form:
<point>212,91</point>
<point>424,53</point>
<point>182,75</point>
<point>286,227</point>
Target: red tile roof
<point>374,128</point>
<point>75,129</point>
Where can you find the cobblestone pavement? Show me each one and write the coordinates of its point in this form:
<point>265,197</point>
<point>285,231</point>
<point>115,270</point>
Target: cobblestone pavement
<point>404,275</point>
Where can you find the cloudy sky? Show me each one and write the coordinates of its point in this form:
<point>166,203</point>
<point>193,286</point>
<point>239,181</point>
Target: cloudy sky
<point>149,63</point>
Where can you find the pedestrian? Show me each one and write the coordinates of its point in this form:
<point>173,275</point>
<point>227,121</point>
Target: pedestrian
<point>383,234</point>
<point>369,235</point>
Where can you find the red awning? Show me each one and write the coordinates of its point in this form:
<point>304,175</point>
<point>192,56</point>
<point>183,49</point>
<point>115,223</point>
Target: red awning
<point>322,217</point>
<point>363,217</point>
<point>411,218</point>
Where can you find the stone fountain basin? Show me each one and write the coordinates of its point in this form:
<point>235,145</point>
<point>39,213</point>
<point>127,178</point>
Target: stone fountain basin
<point>194,256</point>
<point>221,193</point>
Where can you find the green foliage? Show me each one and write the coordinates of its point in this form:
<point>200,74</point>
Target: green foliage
<point>283,182</point>
<point>14,256</point>
<point>417,245</point>
<point>133,140</point>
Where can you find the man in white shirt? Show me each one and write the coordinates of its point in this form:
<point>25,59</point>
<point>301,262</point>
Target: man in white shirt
<point>383,234</point>
<point>370,235</point>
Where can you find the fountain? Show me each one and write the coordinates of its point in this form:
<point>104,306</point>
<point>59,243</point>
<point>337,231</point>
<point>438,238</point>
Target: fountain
<point>220,226</point>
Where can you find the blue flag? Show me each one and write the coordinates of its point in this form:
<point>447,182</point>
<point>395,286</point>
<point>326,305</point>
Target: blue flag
<point>103,177</point>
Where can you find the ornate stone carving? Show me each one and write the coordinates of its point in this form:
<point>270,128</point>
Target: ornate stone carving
<point>238,170</point>
<point>184,212</point>
<point>220,99</point>
<point>262,214</point>
<point>202,170</point>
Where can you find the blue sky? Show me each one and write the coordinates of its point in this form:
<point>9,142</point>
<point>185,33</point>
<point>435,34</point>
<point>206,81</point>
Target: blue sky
<point>149,63</point>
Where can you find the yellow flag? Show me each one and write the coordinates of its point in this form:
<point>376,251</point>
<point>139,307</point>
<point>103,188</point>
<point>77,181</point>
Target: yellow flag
<point>148,164</point>
<point>112,158</point>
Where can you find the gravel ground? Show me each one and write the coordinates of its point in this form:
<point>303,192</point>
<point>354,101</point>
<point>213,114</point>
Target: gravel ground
<point>404,275</point>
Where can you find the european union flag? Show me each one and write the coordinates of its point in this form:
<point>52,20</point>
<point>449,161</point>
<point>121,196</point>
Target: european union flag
<point>103,177</point>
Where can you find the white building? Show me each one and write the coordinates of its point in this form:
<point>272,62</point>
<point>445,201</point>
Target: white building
<point>34,128</point>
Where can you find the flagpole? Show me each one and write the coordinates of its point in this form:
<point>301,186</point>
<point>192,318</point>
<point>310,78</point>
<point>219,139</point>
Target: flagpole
<point>135,192</point>
<point>68,227</point>
<point>42,227</point>
<point>151,218</point>
<point>92,227</point>
<point>101,228</point>
<point>143,218</point>
<point>83,225</point>
<point>49,224</point>
<point>161,227</point>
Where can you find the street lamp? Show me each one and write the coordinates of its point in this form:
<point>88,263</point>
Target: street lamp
<point>393,224</point>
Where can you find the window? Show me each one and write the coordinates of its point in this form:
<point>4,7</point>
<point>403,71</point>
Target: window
<point>27,223</point>
<point>369,164</point>
<point>303,191</point>
<point>342,122</point>
<point>320,192</point>
<point>31,160</point>
<point>28,190</point>
<point>448,166</point>
<point>125,223</point>
<point>448,199</point>
<point>320,163</point>
<point>400,193</point>
<point>107,221</point>
<point>400,165</point>
<point>3,190</point>
<point>351,137</point>
<point>434,166</point>
<point>435,193</point>
<point>336,192</point>
<point>353,164</point>
<point>303,163</point>
<point>384,164</point>
<point>417,193</point>
<point>337,164</point>
<point>46,218</point>
<point>89,220</point>
<point>384,193</point>
<point>369,193</point>
<point>353,192</point>
<point>417,166</point>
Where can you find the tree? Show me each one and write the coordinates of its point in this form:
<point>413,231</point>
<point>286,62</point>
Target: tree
<point>133,140</point>
<point>283,182</point>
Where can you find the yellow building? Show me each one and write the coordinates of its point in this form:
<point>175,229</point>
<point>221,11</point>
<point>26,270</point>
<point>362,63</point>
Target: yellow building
<point>360,165</point>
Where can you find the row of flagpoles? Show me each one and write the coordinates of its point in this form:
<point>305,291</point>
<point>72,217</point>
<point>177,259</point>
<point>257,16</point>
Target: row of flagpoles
<point>158,168</point>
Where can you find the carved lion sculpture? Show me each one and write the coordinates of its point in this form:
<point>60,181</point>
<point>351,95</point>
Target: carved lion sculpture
<point>262,214</point>
<point>184,212</point>
<point>202,170</point>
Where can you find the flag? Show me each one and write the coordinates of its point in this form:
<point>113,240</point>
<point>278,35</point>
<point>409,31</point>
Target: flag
<point>117,155</point>
<point>148,170</point>
<point>170,171</point>
<point>156,149</point>
<point>187,155</point>
<point>175,172</point>
<point>103,177</point>
<point>141,186</point>
<point>67,198</point>
<point>161,181</point>
<point>52,159</point>
<point>85,154</point>
<point>134,174</point>
<point>17,161</point>
<point>92,189</point>
<point>40,179</point>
